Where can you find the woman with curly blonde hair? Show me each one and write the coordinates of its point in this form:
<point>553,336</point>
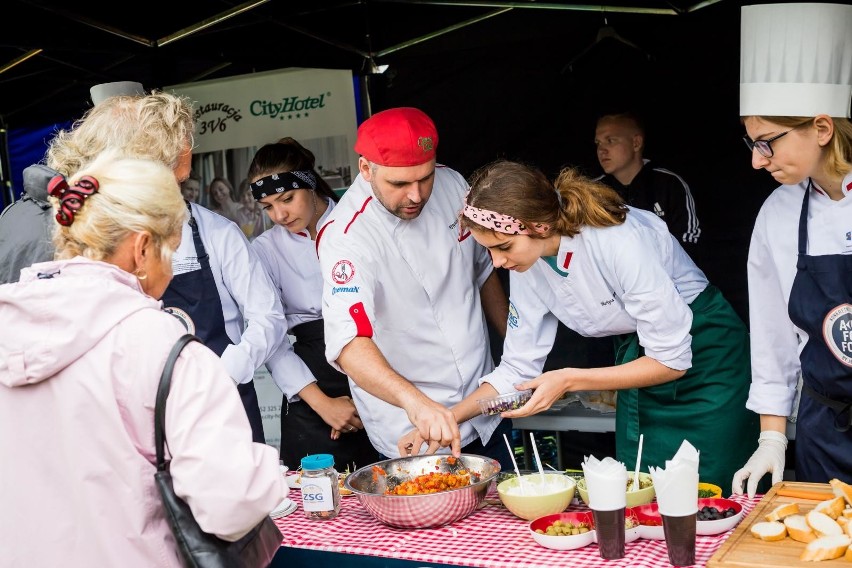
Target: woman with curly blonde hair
<point>579,255</point>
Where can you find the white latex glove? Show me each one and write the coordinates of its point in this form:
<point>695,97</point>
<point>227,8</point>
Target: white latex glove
<point>769,457</point>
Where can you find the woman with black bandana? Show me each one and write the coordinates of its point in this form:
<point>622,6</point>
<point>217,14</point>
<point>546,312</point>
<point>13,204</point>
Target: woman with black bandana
<point>317,414</point>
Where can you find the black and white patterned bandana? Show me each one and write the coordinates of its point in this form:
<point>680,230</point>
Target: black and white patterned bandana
<point>285,181</point>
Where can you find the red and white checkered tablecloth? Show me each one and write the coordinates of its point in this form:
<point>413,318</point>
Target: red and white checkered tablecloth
<point>491,537</point>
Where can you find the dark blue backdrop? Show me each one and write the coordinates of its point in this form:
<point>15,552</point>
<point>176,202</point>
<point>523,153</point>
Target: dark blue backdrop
<point>26,147</point>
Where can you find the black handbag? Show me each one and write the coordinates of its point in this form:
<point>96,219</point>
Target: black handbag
<point>199,549</point>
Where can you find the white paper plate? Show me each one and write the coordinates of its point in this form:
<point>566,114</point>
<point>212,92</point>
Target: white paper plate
<point>283,509</point>
<point>293,480</point>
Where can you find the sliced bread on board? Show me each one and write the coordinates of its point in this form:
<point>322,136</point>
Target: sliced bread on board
<point>826,548</point>
<point>781,511</point>
<point>799,529</point>
<point>769,530</point>
<point>832,507</point>
<point>841,489</point>
<point>823,525</point>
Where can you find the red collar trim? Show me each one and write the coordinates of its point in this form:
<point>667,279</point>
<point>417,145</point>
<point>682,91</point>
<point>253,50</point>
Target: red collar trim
<point>355,216</point>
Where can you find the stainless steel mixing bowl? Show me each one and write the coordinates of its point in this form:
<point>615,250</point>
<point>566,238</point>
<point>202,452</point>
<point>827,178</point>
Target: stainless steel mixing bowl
<point>421,511</point>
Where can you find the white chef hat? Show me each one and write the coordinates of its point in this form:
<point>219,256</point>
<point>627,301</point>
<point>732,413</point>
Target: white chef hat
<point>105,90</point>
<point>796,60</point>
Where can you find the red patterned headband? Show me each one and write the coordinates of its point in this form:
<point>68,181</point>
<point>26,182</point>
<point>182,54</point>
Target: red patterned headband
<point>71,198</point>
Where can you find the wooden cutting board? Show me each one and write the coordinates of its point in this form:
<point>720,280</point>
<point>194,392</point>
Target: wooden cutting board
<point>743,550</point>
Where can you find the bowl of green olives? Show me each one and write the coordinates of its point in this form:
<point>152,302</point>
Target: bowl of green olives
<point>563,531</point>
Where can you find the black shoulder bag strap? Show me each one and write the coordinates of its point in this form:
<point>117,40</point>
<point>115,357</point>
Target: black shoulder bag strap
<point>197,548</point>
<point>163,394</point>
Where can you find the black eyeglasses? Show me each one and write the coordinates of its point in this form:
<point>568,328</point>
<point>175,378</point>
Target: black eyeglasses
<point>764,147</point>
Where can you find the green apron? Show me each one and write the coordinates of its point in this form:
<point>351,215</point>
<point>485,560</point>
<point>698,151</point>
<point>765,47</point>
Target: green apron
<point>706,406</point>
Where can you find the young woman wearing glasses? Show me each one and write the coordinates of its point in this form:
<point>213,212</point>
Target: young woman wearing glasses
<point>800,291</point>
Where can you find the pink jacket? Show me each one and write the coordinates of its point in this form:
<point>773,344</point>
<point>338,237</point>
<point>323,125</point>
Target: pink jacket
<point>81,352</point>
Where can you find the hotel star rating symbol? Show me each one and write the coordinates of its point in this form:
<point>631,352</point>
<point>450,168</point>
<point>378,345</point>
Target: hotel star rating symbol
<point>298,115</point>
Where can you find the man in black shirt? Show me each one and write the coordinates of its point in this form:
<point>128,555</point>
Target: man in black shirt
<point>620,141</point>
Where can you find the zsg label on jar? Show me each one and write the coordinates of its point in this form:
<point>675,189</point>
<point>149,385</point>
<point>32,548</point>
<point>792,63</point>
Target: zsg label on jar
<point>317,494</point>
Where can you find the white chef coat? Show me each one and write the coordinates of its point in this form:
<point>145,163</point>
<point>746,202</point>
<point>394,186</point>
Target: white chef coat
<point>291,261</point>
<point>417,283</point>
<point>632,277</point>
<point>254,321</point>
<point>775,342</point>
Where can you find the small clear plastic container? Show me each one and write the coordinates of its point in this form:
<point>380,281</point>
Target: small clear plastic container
<point>504,402</point>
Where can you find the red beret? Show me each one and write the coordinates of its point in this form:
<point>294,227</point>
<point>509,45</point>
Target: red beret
<point>398,137</point>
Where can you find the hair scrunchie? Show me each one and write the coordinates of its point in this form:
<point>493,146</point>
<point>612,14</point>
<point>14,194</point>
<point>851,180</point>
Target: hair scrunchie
<point>71,197</point>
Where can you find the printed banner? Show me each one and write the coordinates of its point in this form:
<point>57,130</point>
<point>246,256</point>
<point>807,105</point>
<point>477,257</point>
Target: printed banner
<point>237,115</point>
<point>251,110</point>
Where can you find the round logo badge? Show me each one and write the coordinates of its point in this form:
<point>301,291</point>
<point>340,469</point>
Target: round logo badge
<point>183,318</point>
<point>342,272</point>
<point>514,317</point>
<point>837,332</point>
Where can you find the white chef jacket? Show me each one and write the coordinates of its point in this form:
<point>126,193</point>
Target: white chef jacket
<point>291,261</point>
<point>775,342</point>
<point>632,277</point>
<point>413,285</point>
<point>254,321</point>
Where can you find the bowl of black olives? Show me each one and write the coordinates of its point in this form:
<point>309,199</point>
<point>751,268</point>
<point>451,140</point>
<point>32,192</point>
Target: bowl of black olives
<point>717,515</point>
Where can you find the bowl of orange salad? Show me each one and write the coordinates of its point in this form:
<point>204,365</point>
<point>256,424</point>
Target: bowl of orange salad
<point>423,491</point>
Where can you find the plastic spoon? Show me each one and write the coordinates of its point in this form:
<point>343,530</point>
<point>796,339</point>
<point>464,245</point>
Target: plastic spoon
<point>515,463</point>
<point>537,459</point>
<point>636,485</point>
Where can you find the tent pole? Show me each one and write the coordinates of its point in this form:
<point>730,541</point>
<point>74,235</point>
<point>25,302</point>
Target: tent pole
<point>8,192</point>
<point>366,104</point>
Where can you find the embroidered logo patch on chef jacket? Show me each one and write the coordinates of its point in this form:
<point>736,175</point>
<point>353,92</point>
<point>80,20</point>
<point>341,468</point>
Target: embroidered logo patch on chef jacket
<point>343,272</point>
<point>837,332</point>
<point>514,317</point>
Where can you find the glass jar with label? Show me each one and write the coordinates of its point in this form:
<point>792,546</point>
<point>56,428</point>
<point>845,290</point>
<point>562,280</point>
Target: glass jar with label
<point>319,487</point>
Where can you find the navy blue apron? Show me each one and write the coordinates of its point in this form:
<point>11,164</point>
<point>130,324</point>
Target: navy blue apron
<point>303,431</point>
<point>195,294</point>
<point>820,305</point>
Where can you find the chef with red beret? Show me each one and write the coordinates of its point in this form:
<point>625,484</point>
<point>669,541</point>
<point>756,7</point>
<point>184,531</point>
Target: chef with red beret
<point>406,295</point>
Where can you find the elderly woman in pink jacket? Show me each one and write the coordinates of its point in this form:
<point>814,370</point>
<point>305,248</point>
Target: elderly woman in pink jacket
<point>83,340</point>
